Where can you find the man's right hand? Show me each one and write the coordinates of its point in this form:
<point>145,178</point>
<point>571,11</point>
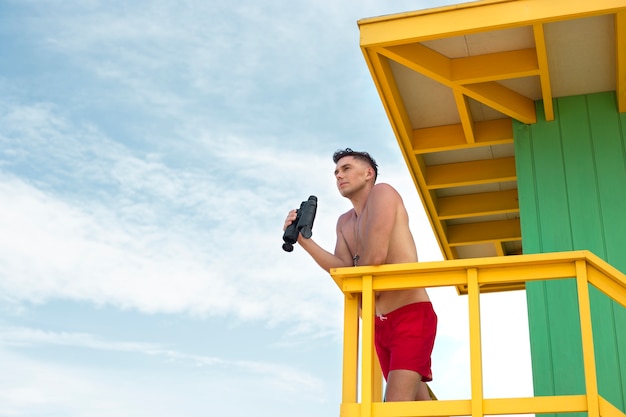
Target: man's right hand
<point>293,214</point>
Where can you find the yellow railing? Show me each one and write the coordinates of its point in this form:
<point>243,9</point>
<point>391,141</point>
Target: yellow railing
<point>472,274</point>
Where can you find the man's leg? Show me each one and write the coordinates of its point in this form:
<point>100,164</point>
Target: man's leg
<point>405,385</point>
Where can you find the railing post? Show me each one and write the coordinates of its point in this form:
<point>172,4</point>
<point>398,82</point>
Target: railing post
<point>476,361</point>
<point>586,331</point>
<point>350,351</point>
<point>367,346</point>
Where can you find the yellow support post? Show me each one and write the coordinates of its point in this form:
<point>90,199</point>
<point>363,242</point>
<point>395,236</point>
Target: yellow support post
<point>367,346</point>
<point>586,331</point>
<point>476,361</point>
<point>350,349</point>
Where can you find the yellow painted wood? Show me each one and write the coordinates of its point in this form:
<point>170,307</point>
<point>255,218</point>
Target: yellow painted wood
<point>500,250</point>
<point>494,132</point>
<point>607,285</point>
<point>439,68</point>
<point>463,107</point>
<point>350,410</point>
<point>476,361</point>
<point>503,99</point>
<point>505,270</point>
<point>604,267</point>
<point>583,265</point>
<point>620,60</point>
<point>377,383</point>
<point>471,233</point>
<point>496,66</point>
<point>452,137</point>
<point>367,347</point>
<point>479,204</point>
<point>350,349</point>
<point>557,270</point>
<point>417,268</point>
<point>609,410</point>
<point>544,74</point>
<point>439,138</point>
<point>422,408</point>
<point>473,17</point>
<point>471,173</point>
<point>589,361</point>
<point>423,60</point>
<point>536,405</point>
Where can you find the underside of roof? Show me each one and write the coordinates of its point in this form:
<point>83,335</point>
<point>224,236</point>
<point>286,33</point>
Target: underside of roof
<point>453,79</point>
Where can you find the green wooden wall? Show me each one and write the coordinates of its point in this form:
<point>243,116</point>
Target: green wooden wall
<point>572,192</point>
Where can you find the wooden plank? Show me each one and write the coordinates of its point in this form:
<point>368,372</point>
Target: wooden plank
<point>452,137</point>
<point>479,204</point>
<point>473,17</point>
<point>544,71</point>
<point>502,99</point>
<point>470,173</point>
<point>496,66</point>
<point>537,405</point>
<point>470,233</point>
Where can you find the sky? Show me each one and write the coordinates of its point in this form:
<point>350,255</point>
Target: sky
<point>149,154</point>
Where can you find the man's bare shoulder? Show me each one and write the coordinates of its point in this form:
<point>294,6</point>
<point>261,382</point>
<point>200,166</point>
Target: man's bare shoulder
<point>384,191</point>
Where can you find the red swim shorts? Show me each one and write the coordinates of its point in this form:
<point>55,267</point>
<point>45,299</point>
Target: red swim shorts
<point>405,337</point>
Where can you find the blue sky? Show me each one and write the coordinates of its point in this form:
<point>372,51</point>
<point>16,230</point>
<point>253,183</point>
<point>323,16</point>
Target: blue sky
<point>149,153</point>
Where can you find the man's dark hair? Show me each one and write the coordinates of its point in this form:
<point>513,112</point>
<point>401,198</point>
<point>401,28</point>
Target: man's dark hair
<point>362,156</point>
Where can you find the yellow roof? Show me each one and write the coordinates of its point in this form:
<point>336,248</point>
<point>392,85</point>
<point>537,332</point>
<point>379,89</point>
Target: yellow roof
<point>452,79</point>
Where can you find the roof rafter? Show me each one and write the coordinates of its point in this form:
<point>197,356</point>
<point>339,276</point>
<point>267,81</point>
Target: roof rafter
<point>441,69</point>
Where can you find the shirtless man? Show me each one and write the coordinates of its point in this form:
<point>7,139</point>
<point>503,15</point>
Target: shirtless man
<point>375,232</point>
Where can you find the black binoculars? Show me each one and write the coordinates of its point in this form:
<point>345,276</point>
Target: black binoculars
<point>302,224</point>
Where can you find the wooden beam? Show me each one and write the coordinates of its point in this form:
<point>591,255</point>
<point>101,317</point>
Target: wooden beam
<point>438,67</point>
<point>470,173</point>
<point>475,17</point>
<point>479,204</point>
<point>504,100</point>
<point>472,233</point>
<point>423,60</point>
<point>463,107</point>
<point>497,66</point>
<point>451,137</point>
<point>544,73</point>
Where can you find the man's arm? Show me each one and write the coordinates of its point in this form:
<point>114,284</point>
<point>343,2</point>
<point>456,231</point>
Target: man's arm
<point>382,209</point>
<point>325,259</point>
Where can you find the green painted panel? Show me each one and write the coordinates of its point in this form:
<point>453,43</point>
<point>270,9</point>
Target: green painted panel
<point>572,191</point>
<point>542,381</point>
<point>580,175</point>
<point>610,161</point>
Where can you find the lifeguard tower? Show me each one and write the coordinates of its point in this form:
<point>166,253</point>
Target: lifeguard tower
<point>511,117</point>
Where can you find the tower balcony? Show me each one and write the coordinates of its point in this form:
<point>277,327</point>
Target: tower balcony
<point>362,381</point>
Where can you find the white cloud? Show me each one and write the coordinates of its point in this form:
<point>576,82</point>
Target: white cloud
<point>284,376</point>
<point>31,386</point>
